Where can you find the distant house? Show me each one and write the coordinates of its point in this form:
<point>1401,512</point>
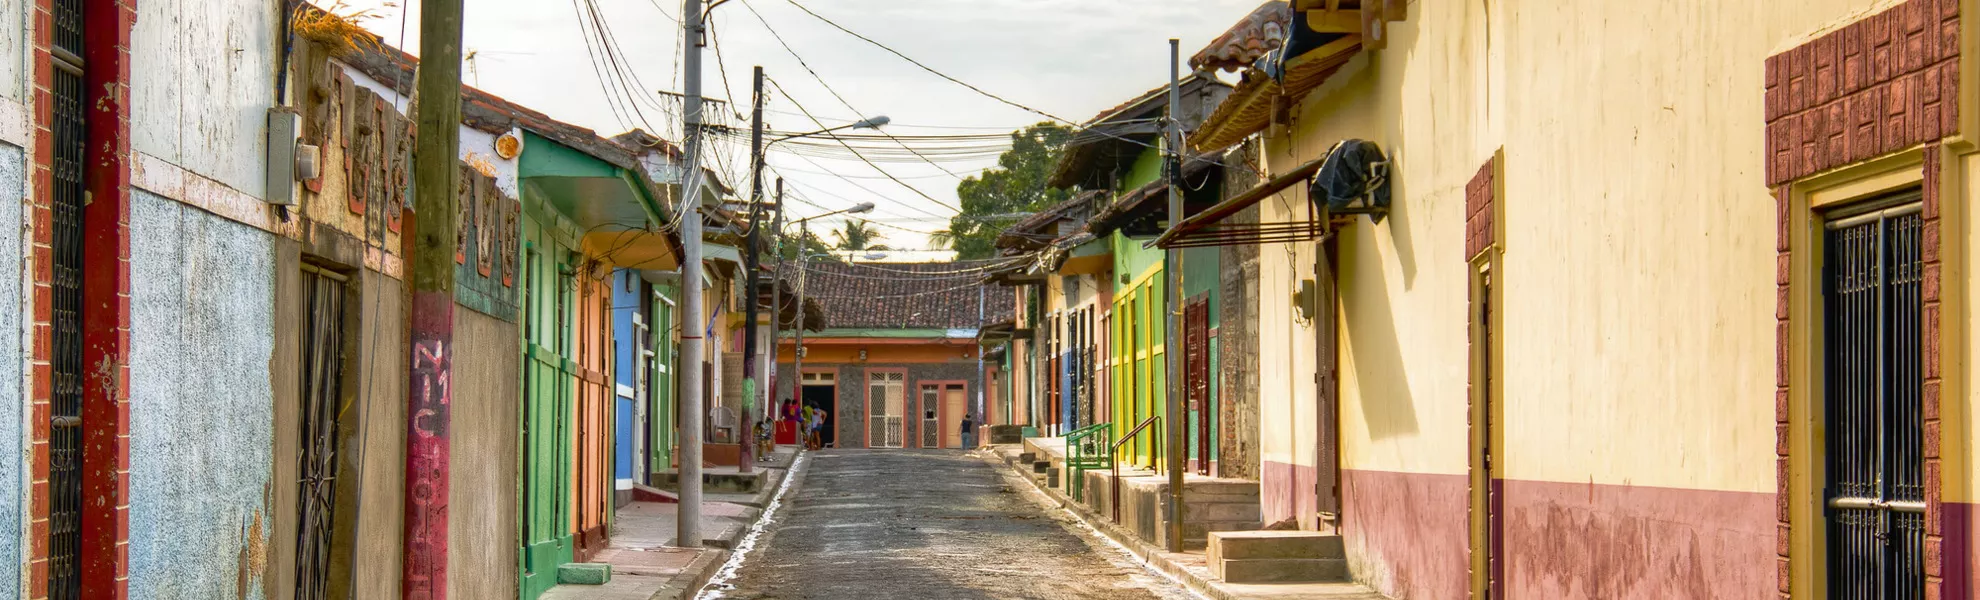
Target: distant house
<point>898,366</point>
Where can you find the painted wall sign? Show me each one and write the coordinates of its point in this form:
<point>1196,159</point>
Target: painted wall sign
<point>377,148</point>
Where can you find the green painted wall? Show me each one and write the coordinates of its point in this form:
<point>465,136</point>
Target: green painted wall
<point>549,379</point>
<point>665,345</point>
<point>1138,373</point>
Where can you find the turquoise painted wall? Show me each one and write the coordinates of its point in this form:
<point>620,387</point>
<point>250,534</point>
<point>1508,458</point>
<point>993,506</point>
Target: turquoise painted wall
<point>201,400</point>
<point>13,472</point>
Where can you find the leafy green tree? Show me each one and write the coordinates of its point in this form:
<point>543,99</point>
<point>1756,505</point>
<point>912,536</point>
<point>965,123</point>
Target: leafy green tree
<point>1016,185</point>
<point>857,235</point>
<point>811,244</point>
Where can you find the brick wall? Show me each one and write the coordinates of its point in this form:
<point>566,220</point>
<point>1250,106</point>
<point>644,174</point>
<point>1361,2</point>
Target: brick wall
<point>1935,515</point>
<point>106,297</point>
<point>1880,85</point>
<point>1478,217</point>
<point>1885,83</point>
<point>1479,236</point>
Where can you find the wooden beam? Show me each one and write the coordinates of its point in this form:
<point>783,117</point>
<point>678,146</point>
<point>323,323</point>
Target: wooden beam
<point>1333,21</point>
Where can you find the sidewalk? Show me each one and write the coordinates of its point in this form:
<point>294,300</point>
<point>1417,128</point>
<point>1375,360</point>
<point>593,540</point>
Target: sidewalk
<point>1191,569</point>
<point>645,563</point>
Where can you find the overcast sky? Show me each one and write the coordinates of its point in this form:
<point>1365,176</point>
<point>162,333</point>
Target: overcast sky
<point>1070,58</point>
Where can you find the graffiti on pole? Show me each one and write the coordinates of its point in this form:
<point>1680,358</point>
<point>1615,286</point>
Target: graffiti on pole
<point>428,449</point>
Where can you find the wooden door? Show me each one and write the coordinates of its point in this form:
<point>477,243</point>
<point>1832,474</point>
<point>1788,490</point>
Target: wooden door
<point>955,404</point>
<point>1196,381</point>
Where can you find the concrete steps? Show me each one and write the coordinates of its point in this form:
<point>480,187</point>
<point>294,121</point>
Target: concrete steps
<point>713,482</point>
<point>1276,557</point>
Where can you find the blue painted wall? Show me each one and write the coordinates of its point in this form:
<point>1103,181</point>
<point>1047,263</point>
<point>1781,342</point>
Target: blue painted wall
<point>202,417</point>
<point>13,474</point>
<point>626,287</point>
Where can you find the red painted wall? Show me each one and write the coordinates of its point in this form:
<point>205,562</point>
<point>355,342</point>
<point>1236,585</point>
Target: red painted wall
<point>1405,533</point>
<point>1581,540</point>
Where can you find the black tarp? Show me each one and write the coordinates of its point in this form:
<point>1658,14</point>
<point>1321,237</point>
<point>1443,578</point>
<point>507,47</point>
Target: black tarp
<point>1353,179</point>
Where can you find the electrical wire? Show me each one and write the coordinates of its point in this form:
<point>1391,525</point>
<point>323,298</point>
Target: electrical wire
<point>863,188</point>
<point>821,80</point>
<point>969,286</point>
<point>862,158</point>
<point>971,87</point>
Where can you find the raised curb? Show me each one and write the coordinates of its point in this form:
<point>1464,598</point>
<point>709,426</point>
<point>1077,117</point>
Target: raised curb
<point>690,581</point>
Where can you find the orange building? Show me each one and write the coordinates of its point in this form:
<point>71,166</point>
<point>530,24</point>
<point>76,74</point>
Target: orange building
<point>898,367</point>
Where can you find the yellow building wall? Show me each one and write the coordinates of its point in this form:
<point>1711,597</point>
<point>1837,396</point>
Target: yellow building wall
<point>1638,236</point>
<point>1637,282</point>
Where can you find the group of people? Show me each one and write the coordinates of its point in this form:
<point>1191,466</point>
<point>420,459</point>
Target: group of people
<point>810,423</point>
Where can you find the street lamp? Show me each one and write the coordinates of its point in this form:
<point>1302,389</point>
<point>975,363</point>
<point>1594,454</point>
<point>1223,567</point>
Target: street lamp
<point>757,369</point>
<point>873,122</point>
<point>797,352</point>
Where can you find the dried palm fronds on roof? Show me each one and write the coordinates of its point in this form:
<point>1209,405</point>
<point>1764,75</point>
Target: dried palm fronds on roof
<point>339,28</point>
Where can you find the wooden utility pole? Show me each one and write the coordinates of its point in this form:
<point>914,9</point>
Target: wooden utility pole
<point>751,280</point>
<point>436,173</point>
<point>1172,331</point>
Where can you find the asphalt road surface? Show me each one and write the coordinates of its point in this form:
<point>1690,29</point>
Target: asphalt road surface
<point>917,524</point>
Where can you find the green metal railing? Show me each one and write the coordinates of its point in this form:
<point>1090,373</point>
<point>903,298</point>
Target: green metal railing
<point>1087,448</point>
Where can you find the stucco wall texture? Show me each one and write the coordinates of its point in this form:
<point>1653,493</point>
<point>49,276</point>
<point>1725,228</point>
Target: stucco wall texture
<point>13,472</point>
<point>201,400</point>
<point>481,499</point>
<point>850,418</point>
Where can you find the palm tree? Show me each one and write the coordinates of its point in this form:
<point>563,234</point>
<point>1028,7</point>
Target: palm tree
<point>857,235</point>
<point>942,238</point>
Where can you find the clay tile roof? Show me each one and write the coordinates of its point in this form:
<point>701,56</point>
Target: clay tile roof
<point>904,295</point>
<point>1023,234</point>
<point>1262,31</point>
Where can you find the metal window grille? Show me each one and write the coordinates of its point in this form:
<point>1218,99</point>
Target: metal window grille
<point>931,428</point>
<point>322,390</point>
<point>1875,489</point>
<point>885,417</point>
<point>65,434</point>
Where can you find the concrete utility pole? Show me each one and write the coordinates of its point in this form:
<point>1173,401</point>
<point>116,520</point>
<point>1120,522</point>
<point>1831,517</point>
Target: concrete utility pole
<point>776,310</point>
<point>1172,333</point>
<point>688,527</point>
<point>437,176</point>
<point>752,263</point>
<point>797,352</point>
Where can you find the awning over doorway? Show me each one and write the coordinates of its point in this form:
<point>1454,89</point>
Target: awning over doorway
<point>1207,228</point>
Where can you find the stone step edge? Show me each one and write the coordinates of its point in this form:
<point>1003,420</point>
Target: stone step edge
<point>1148,554</point>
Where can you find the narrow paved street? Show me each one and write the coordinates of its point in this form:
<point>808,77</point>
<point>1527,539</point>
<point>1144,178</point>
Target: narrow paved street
<point>929,524</point>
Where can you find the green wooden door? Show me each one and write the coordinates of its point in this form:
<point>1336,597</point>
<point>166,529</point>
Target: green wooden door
<point>548,384</point>
<point>662,392</point>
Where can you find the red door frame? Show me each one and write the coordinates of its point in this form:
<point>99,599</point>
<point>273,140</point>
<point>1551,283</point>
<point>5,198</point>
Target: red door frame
<point>866,416</point>
<point>941,406</point>
<point>106,280</point>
